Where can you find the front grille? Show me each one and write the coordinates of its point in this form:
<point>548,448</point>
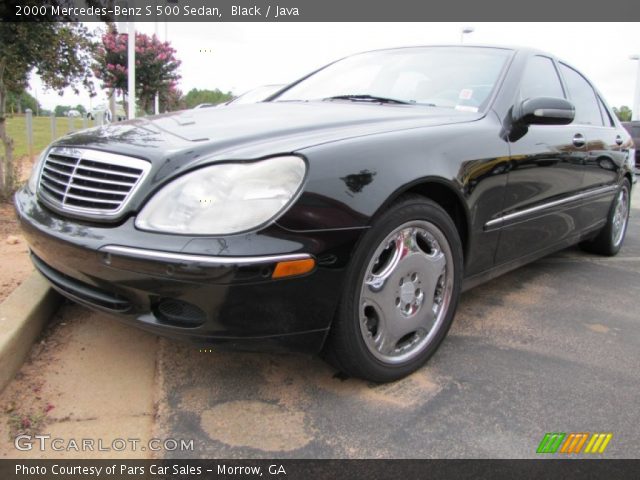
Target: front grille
<point>89,181</point>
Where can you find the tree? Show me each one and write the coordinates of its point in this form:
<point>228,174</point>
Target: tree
<point>61,110</point>
<point>172,99</point>
<point>60,53</point>
<point>623,113</point>
<point>19,102</point>
<point>195,97</point>
<point>156,66</point>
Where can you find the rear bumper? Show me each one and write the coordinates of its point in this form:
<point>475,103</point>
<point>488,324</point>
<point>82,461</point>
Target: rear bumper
<point>195,296</point>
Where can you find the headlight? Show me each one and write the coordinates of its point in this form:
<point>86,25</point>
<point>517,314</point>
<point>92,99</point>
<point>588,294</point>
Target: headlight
<point>32,183</point>
<point>225,198</point>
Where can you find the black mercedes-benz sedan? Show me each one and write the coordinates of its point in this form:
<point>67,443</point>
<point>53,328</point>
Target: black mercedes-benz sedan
<point>344,214</point>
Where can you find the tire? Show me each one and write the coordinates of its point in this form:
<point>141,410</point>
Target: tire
<point>610,239</point>
<point>408,264</point>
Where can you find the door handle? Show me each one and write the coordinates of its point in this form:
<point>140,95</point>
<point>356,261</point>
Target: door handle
<point>619,140</point>
<point>578,140</point>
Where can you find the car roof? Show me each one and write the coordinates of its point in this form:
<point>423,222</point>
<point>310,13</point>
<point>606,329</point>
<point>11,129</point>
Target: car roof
<point>525,50</point>
<point>514,48</point>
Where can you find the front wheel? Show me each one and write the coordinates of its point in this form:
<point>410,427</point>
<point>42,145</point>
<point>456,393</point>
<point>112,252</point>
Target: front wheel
<point>610,239</point>
<point>402,291</point>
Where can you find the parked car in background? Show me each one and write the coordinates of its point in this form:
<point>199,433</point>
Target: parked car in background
<point>73,113</point>
<point>346,214</point>
<point>258,94</point>
<point>634,130</point>
<point>106,112</point>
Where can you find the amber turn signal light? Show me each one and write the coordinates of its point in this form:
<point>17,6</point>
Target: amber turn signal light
<point>293,267</point>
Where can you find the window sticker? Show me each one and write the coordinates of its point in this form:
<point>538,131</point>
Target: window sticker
<point>466,108</point>
<point>465,94</point>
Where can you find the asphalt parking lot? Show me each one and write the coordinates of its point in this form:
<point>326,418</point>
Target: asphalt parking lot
<point>551,347</point>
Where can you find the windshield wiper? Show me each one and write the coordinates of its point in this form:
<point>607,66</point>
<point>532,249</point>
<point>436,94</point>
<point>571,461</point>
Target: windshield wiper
<point>369,98</point>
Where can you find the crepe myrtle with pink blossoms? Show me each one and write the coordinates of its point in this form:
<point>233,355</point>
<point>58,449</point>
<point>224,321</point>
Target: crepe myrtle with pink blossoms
<point>156,66</point>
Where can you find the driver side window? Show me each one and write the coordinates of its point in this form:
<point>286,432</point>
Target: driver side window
<point>540,79</point>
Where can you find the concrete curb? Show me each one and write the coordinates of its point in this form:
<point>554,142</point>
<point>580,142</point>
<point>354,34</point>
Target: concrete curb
<point>23,314</point>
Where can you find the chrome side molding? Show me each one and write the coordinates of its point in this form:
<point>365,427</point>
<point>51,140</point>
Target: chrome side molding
<point>498,222</point>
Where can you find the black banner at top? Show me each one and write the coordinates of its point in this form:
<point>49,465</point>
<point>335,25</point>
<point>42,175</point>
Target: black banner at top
<point>319,11</point>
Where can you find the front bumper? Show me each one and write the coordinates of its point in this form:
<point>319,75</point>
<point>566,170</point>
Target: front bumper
<point>204,290</point>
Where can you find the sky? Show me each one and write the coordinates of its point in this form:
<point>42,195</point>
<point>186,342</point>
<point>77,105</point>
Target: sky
<point>239,56</point>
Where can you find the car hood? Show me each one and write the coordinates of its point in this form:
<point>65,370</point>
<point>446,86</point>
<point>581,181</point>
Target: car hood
<point>256,130</point>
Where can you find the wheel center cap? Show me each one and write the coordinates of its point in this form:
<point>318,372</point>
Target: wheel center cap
<point>408,292</point>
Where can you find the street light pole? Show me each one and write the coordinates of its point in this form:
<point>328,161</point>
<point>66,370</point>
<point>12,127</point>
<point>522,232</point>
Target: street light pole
<point>156,100</point>
<point>635,108</point>
<point>131,60</point>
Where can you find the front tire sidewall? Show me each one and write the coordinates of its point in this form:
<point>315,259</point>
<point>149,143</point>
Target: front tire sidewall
<point>357,360</point>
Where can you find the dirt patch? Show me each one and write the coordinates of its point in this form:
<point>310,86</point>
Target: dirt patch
<point>260,425</point>
<point>87,377</point>
<point>14,256</point>
<point>291,381</point>
<point>502,309</point>
<point>598,328</point>
<point>295,382</point>
<point>26,406</point>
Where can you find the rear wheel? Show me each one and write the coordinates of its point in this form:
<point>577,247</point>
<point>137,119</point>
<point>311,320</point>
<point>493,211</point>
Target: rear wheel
<point>402,291</point>
<point>609,240</point>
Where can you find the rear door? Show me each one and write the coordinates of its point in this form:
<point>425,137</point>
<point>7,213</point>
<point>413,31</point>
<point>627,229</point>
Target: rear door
<point>547,164</point>
<point>604,156</point>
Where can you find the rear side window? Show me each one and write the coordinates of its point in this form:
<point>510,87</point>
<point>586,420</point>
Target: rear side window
<point>608,120</point>
<point>583,97</point>
<point>540,79</point>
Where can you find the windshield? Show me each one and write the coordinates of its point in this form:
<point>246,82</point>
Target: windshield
<point>452,77</point>
<point>256,95</point>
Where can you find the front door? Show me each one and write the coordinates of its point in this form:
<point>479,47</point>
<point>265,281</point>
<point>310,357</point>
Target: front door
<point>541,206</point>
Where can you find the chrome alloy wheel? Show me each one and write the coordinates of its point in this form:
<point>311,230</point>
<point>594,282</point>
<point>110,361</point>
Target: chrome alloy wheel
<point>620,216</point>
<point>406,292</point>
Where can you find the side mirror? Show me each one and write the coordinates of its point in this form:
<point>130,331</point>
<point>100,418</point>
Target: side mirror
<point>544,111</point>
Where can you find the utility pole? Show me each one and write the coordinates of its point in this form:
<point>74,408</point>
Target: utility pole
<point>131,69</point>
<point>156,103</point>
<point>112,96</point>
<point>635,108</point>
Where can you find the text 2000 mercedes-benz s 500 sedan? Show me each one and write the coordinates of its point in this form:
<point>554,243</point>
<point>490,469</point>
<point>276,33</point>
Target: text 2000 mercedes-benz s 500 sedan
<point>345,214</point>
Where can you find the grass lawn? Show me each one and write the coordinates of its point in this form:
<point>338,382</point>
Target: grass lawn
<point>17,129</point>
